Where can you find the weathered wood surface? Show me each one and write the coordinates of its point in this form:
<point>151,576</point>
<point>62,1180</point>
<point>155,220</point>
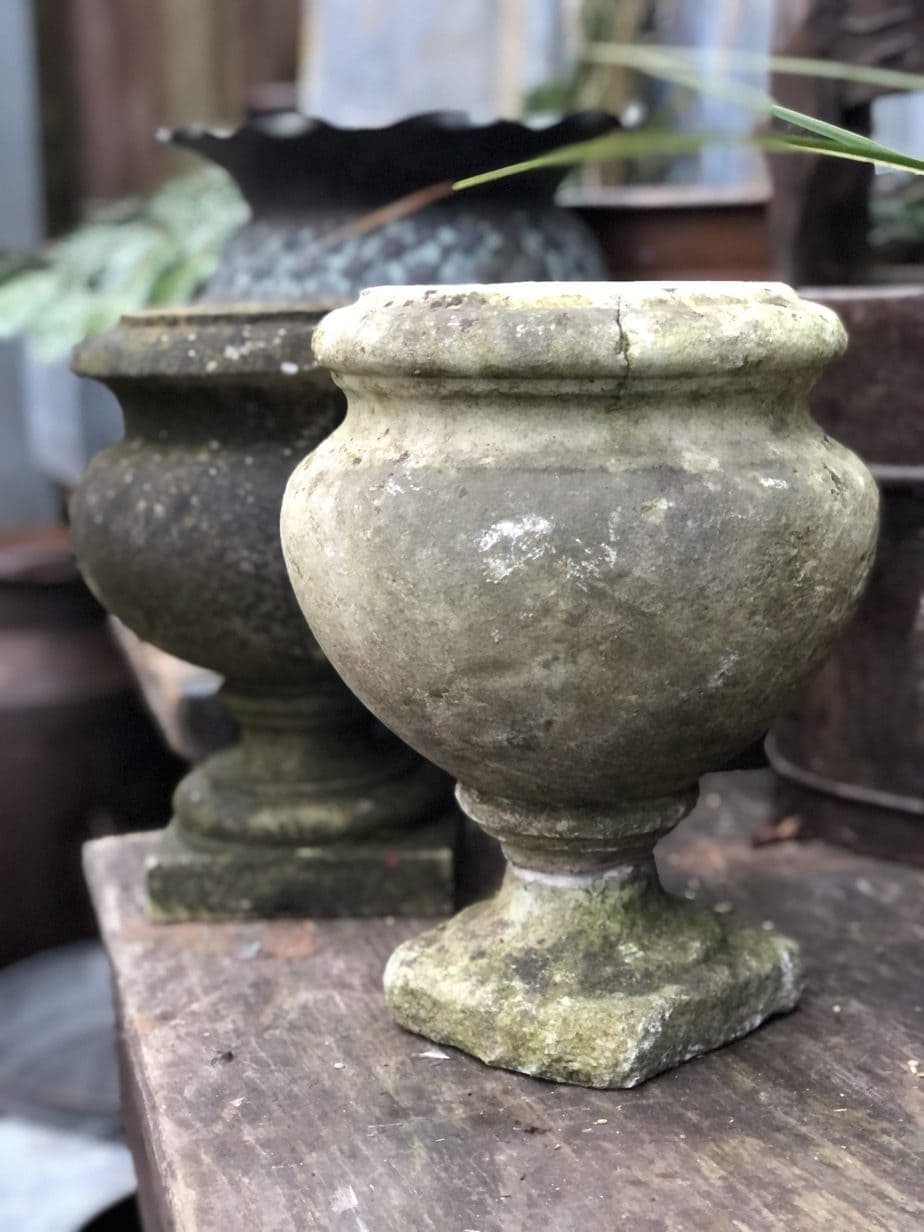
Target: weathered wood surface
<point>267,1088</point>
<point>113,71</point>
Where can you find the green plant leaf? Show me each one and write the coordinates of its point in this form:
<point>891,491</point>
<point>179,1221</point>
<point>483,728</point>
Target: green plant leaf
<point>675,65</point>
<point>800,66</point>
<point>602,149</point>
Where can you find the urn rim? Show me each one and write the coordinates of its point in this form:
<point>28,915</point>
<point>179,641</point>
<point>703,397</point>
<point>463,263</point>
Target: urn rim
<point>580,330</point>
<point>286,161</point>
<point>206,342</point>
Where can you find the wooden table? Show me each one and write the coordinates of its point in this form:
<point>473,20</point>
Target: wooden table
<point>266,1088</point>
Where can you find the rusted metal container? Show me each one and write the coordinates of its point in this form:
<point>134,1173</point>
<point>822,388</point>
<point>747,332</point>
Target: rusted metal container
<point>678,231</point>
<point>850,754</point>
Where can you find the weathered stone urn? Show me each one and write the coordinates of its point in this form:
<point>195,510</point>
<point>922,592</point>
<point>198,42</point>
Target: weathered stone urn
<point>578,544</point>
<point>316,809</point>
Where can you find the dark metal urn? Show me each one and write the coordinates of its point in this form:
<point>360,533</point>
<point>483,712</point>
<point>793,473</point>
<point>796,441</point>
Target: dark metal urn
<point>317,809</point>
<point>324,222</point>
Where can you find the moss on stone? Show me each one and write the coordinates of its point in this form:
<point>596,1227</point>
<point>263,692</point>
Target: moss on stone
<point>602,985</point>
<point>407,872</point>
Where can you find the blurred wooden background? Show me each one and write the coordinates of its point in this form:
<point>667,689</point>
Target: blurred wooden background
<point>112,73</point>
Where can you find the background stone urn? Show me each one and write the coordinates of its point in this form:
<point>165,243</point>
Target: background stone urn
<point>578,544</point>
<point>317,809</point>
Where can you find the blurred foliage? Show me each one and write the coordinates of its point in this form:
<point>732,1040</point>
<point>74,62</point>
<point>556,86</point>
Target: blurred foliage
<point>126,256</point>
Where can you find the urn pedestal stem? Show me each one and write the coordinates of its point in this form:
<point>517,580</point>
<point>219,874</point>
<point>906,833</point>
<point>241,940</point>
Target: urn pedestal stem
<point>306,769</point>
<point>630,545</point>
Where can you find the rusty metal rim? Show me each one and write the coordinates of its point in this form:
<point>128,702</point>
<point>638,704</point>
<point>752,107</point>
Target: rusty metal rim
<point>890,476</point>
<point>854,793</point>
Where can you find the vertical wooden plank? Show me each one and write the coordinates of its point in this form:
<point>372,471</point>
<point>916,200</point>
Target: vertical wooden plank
<point>191,91</point>
<point>116,57</point>
<point>270,32</point>
<point>819,213</point>
<point>114,71</point>
<point>217,52</point>
<point>58,112</point>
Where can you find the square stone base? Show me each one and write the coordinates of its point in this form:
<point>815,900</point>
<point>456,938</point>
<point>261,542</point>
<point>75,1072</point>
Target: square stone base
<point>409,873</point>
<point>602,987</point>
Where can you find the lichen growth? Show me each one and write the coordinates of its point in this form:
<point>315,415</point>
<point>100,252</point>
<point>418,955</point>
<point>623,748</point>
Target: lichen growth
<point>603,985</point>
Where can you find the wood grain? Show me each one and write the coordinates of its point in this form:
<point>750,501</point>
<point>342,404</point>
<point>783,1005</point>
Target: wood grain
<point>267,1088</point>
<point>114,71</point>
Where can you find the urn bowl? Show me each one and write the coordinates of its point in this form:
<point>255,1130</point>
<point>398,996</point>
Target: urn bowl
<point>578,543</point>
<point>175,526</point>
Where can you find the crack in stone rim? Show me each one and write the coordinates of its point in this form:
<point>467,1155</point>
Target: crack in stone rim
<point>736,330</point>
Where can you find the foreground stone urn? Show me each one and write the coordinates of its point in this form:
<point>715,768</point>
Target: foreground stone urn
<point>317,809</point>
<point>578,544</point>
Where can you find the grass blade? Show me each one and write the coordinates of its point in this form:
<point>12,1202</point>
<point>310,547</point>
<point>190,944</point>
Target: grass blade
<point>801,66</point>
<point>676,66</point>
<point>605,148</point>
